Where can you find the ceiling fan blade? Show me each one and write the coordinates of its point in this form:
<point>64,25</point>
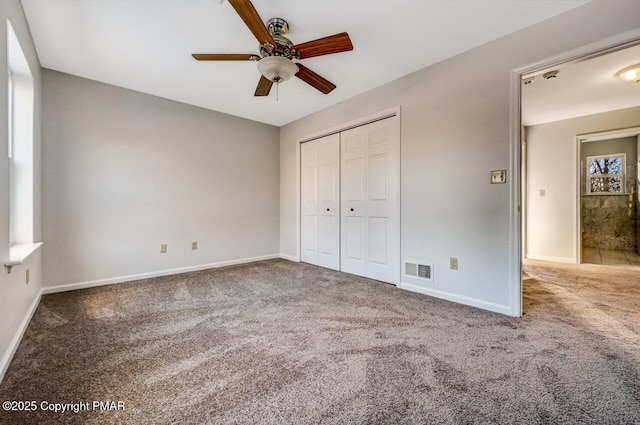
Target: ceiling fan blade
<point>264,86</point>
<point>314,80</point>
<point>324,46</point>
<point>252,20</point>
<point>224,57</point>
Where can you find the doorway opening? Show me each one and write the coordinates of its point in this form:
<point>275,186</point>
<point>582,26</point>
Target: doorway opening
<point>609,206</point>
<point>579,161</point>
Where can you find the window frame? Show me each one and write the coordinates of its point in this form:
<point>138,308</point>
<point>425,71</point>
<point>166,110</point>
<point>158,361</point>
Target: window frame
<point>622,175</point>
<point>10,147</point>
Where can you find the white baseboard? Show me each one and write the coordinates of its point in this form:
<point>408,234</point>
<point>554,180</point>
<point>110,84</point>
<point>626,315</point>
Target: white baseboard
<point>289,257</point>
<point>129,278</point>
<point>15,342</point>
<point>473,302</point>
<point>555,259</point>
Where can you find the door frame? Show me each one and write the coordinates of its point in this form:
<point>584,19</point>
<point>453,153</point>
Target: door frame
<point>598,48</point>
<point>593,137</point>
<point>358,122</point>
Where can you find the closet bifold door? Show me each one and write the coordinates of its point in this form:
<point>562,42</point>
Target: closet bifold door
<point>370,197</point>
<point>320,177</point>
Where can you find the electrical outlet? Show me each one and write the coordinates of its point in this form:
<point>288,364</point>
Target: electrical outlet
<point>194,245</point>
<point>27,277</point>
<point>453,263</point>
<point>163,248</point>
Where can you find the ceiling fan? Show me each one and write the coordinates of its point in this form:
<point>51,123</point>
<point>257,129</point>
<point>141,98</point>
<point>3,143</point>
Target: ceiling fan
<point>275,61</point>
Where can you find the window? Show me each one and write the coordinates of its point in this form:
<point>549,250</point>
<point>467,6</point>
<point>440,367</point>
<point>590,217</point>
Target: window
<point>20,102</point>
<point>605,174</point>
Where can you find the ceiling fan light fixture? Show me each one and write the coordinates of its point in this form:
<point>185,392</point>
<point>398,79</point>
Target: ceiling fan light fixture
<point>277,68</point>
<point>631,73</point>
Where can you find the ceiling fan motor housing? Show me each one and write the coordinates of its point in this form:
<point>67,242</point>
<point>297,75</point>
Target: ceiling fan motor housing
<point>277,28</point>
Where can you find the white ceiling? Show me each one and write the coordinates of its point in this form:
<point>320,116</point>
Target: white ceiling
<point>146,45</point>
<point>582,88</point>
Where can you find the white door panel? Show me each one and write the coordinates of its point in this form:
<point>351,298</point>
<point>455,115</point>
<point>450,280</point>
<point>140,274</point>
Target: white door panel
<point>353,238</point>
<point>328,174</point>
<point>310,246</point>
<point>378,240</point>
<point>378,177</point>
<point>378,137</point>
<point>320,165</point>
<point>309,178</point>
<point>353,142</point>
<point>370,158</point>
<point>351,201</point>
<point>353,180</point>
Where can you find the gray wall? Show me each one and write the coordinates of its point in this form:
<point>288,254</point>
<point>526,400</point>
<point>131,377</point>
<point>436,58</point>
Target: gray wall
<point>15,295</point>
<point>125,172</point>
<point>551,165</point>
<point>609,221</point>
<point>455,129</point>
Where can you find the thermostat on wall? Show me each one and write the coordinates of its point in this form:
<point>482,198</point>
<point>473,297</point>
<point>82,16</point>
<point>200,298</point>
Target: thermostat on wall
<point>498,176</point>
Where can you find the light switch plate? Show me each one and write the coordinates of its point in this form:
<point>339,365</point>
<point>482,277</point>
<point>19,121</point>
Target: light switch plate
<point>498,176</point>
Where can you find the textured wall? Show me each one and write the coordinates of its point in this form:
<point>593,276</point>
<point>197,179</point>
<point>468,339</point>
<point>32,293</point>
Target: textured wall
<point>609,221</point>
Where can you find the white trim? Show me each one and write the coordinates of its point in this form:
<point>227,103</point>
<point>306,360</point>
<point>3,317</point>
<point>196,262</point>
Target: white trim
<point>515,196</point>
<point>289,257</point>
<point>298,200</point>
<point>19,253</point>
<point>608,135</point>
<point>129,278</point>
<point>387,113</point>
<point>554,259</point>
<point>577,208</point>
<point>515,161</point>
<point>17,338</point>
<point>460,299</point>
<point>358,122</point>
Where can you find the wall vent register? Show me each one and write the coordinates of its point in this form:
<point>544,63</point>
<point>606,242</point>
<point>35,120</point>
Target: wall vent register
<point>420,271</point>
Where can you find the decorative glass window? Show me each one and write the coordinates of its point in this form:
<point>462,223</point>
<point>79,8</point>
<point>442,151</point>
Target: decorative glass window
<point>605,174</point>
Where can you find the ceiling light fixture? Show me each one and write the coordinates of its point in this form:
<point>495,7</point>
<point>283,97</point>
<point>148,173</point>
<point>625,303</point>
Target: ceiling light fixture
<point>277,68</point>
<point>631,73</point>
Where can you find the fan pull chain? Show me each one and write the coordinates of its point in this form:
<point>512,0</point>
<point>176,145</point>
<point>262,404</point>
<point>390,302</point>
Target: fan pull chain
<point>277,91</point>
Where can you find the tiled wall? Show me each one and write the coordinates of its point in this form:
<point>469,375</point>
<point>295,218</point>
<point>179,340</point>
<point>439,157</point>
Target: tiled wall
<point>609,221</point>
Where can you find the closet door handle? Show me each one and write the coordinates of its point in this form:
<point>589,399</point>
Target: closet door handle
<point>351,209</point>
<point>328,209</point>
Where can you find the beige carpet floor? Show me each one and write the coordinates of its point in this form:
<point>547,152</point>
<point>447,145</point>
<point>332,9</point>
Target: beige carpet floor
<point>277,342</point>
